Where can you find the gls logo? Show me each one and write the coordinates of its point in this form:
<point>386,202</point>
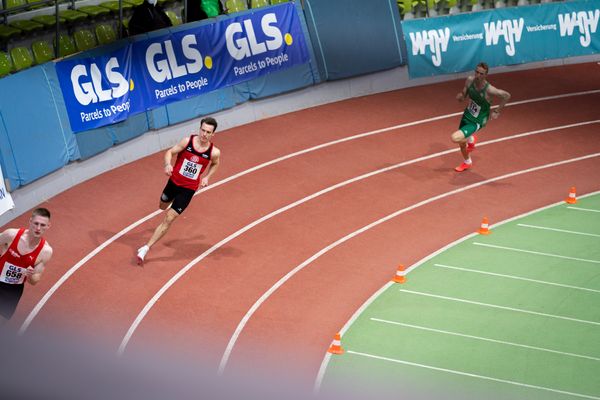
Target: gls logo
<point>587,21</point>
<point>437,40</point>
<point>511,30</point>
<point>162,63</point>
<point>246,45</point>
<point>89,90</point>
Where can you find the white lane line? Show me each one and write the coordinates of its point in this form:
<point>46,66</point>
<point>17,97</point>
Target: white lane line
<point>520,310</point>
<point>518,278</point>
<point>558,230</point>
<point>325,362</point>
<point>484,339</point>
<point>535,252</point>
<point>279,283</point>
<point>37,308</point>
<point>583,209</point>
<point>487,378</point>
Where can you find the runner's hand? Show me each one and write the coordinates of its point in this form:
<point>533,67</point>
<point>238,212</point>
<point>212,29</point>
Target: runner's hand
<point>204,182</point>
<point>495,114</point>
<point>168,169</point>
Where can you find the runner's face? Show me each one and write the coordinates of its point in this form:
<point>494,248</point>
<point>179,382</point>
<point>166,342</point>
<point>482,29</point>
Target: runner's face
<point>38,225</point>
<point>480,74</point>
<point>206,131</point>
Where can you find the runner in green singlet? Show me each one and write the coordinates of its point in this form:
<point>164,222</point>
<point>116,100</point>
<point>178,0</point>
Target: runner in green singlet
<point>476,115</point>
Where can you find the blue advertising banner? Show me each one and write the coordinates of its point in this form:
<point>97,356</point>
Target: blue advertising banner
<point>147,74</point>
<point>505,36</point>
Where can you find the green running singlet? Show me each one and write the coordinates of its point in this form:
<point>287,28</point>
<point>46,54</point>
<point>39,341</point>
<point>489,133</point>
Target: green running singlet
<point>478,110</point>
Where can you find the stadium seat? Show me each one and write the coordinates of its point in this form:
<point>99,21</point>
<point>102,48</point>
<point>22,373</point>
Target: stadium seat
<point>26,25</point>
<point>113,6</point>
<point>66,45</point>
<point>15,3</point>
<point>8,32</point>
<point>105,34</point>
<point>173,17</point>
<point>259,3</point>
<point>279,1</point>
<point>406,8</point>
<point>135,2</point>
<point>84,40</point>
<point>48,20</point>
<point>73,16</point>
<point>94,11</point>
<point>6,65</point>
<point>42,51</point>
<point>37,6</point>
<point>233,6</point>
<point>21,58</point>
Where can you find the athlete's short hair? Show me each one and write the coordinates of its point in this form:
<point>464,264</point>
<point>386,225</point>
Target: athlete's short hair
<point>484,66</point>
<point>209,121</point>
<point>41,212</point>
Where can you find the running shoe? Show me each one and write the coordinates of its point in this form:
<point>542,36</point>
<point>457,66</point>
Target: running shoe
<point>141,253</point>
<point>471,145</point>
<point>463,166</point>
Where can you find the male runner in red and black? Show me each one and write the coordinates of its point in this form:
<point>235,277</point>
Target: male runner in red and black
<point>24,254</point>
<point>195,154</point>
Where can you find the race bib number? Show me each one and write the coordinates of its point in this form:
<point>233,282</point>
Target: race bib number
<point>12,274</point>
<point>473,109</point>
<point>190,169</point>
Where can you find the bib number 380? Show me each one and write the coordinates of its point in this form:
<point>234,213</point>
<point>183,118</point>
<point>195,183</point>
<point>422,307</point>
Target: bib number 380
<point>190,169</point>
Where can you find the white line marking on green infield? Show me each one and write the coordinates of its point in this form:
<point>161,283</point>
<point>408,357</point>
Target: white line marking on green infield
<point>488,378</point>
<point>545,228</point>
<point>485,339</point>
<point>517,278</point>
<point>535,252</point>
<point>584,321</point>
<point>583,209</point>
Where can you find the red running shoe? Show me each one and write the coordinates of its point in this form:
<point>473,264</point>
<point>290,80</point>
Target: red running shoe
<point>463,166</point>
<point>471,146</point>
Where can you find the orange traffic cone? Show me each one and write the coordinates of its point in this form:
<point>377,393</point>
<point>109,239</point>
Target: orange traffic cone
<point>400,276</point>
<point>336,345</point>
<point>485,227</point>
<point>572,199</point>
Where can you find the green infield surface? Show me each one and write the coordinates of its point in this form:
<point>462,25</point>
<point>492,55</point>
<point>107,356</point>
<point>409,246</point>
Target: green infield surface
<point>510,315</point>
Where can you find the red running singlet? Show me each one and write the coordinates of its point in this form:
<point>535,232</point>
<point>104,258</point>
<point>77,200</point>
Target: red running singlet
<point>190,164</point>
<point>13,263</point>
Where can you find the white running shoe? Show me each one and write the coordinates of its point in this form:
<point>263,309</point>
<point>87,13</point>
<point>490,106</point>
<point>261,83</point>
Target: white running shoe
<point>141,253</point>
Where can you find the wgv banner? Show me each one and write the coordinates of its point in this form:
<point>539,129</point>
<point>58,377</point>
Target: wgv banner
<point>503,36</point>
<point>147,74</point>
<point>6,201</point>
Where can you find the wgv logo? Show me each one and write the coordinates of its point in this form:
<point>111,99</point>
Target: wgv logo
<point>511,30</point>
<point>586,21</point>
<point>437,40</point>
<point>87,85</point>
<point>162,63</point>
<point>246,44</point>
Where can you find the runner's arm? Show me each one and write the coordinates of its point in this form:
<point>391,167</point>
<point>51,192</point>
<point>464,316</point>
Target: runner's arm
<point>463,94</point>
<point>35,273</point>
<point>6,239</point>
<point>173,151</point>
<point>504,97</point>
<point>215,159</point>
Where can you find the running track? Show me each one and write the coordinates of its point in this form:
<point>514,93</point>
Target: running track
<point>229,265</point>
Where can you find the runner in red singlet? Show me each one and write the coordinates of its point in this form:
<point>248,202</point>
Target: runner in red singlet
<point>24,254</point>
<point>195,154</point>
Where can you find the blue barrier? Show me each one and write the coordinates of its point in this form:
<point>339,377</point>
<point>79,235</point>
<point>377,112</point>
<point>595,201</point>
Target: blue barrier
<point>35,134</point>
<point>355,37</point>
